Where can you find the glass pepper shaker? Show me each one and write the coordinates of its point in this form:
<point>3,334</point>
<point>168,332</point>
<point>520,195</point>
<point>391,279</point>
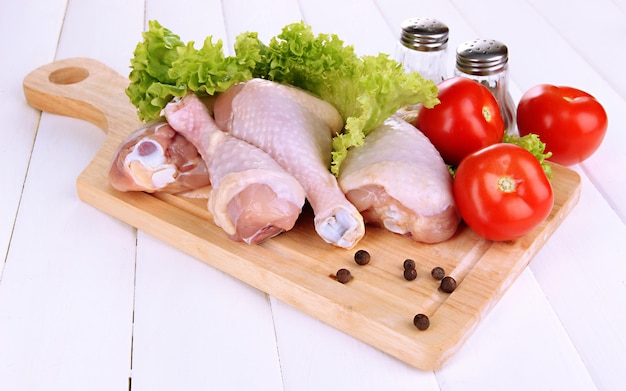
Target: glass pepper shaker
<point>487,61</point>
<point>422,48</point>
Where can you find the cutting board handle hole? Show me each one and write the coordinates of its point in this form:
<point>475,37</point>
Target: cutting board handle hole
<point>68,75</point>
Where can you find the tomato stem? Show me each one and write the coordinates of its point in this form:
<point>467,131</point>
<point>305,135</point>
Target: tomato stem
<point>506,184</point>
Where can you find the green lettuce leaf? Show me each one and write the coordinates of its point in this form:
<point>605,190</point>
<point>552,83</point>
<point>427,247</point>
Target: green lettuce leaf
<point>150,86</point>
<point>164,67</point>
<point>382,89</point>
<point>207,71</point>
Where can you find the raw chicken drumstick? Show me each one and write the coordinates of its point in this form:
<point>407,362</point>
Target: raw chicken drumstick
<point>296,129</point>
<point>398,180</point>
<point>252,197</point>
<point>157,158</point>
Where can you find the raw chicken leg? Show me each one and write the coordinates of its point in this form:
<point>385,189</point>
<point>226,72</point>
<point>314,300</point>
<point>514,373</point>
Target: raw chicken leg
<point>252,197</point>
<point>398,179</point>
<point>157,158</point>
<point>296,129</point>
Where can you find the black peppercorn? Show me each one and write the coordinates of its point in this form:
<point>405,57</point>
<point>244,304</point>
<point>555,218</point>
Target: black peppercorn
<point>448,284</point>
<point>409,264</point>
<point>343,275</point>
<point>438,273</point>
<point>362,257</point>
<point>421,321</point>
<point>410,274</point>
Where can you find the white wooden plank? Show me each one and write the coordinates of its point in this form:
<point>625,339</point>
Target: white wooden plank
<point>594,31</point>
<point>198,328</point>
<point>20,120</point>
<point>524,339</point>
<point>195,327</point>
<point>67,287</point>
<point>66,292</point>
<point>102,30</point>
<point>316,356</point>
<point>357,23</point>
<point>266,18</point>
<point>583,275</point>
<point>597,69</point>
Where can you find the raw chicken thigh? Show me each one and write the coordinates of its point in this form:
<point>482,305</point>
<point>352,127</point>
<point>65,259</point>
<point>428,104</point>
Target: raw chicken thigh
<point>252,197</point>
<point>296,129</point>
<point>157,158</point>
<point>398,180</point>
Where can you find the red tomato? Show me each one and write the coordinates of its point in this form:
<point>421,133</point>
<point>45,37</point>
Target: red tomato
<point>569,121</point>
<point>502,192</point>
<point>467,119</point>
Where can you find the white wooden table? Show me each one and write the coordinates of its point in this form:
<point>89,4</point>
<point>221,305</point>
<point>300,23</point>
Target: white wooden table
<point>89,303</point>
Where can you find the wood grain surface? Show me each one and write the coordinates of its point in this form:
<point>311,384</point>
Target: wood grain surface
<point>377,306</point>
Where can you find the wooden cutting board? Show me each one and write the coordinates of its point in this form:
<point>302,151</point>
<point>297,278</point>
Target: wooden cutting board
<point>377,306</point>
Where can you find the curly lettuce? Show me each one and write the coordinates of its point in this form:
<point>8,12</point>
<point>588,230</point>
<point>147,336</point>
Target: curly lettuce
<point>164,67</point>
<point>150,86</point>
<point>364,89</point>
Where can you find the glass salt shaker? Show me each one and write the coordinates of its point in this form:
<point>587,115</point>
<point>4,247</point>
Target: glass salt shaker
<point>487,61</point>
<point>422,48</point>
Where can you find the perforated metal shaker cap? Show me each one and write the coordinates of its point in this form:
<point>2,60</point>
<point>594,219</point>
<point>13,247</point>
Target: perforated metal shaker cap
<point>482,57</point>
<point>424,34</point>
